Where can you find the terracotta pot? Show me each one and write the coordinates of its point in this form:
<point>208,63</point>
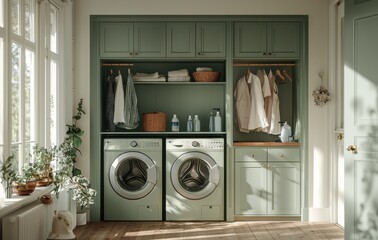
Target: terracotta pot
<point>24,189</point>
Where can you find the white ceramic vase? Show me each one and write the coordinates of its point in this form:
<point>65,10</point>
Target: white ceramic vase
<point>81,218</point>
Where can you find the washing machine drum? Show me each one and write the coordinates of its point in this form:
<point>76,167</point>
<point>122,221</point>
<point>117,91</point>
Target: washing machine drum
<point>195,175</point>
<point>133,175</point>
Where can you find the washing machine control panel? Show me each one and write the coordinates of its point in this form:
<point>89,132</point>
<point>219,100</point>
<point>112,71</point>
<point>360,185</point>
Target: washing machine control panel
<point>200,143</point>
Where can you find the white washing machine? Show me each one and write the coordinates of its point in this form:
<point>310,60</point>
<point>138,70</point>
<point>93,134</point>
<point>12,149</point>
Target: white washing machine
<point>132,179</point>
<point>195,179</point>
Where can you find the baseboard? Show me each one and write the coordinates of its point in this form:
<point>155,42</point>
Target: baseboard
<point>319,214</point>
<point>266,218</point>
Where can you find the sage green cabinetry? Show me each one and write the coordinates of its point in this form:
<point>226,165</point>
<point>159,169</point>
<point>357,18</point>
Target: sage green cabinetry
<point>211,39</point>
<point>132,40</point>
<point>267,39</point>
<point>267,181</point>
<point>196,39</point>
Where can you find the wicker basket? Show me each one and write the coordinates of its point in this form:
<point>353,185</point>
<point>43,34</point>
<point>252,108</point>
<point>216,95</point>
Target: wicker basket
<point>154,122</point>
<point>206,76</point>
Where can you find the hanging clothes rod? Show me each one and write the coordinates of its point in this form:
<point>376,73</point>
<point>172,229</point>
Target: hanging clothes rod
<point>264,64</point>
<point>118,64</point>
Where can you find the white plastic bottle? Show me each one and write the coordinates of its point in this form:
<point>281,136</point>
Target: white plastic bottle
<point>197,124</point>
<point>189,124</point>
<point>285,132</point>
<point>218,122</point>
<point>175,124</point>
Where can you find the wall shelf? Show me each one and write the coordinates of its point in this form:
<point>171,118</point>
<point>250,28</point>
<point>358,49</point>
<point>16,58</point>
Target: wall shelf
<point>266,144</point>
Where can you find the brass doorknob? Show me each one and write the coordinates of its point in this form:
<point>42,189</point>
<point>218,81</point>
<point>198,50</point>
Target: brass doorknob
<point>340,136</point>
<point>352,148</point>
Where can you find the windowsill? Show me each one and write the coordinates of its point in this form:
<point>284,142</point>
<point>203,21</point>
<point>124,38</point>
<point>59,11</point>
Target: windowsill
<point>17,202</point>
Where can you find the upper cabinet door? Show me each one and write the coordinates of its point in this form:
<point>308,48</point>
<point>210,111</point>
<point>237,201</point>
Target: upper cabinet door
<point>181,37</point>
<point>116,39</point>
<point>283,39</point>
<point>266,40</point>
<point>211,39</point>
<point>149,39</point>
<point>249,39</point>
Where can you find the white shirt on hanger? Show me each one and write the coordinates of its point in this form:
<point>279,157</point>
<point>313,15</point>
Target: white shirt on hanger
<point>257,116</point>
<point>242,103</point>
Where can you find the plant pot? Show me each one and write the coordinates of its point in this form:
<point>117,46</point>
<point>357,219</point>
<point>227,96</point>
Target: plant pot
<point>81,218</point>
<point>24,189</point>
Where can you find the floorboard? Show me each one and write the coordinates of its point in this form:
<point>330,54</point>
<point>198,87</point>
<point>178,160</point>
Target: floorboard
<point>239,230</point>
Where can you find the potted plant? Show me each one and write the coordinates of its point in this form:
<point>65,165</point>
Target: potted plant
<point>68,176</point>
<point>8,174</point>
<point>43,158</point>
<point>25,183</point>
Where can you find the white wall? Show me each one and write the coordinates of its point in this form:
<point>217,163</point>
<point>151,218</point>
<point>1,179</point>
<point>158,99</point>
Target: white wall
<point>317,10</point>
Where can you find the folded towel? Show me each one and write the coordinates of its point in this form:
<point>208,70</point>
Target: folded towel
<point>179,79</point>
<point>147,79</point>
<point>148,75</point>
<point>178,73</point>
<point>204,69</point>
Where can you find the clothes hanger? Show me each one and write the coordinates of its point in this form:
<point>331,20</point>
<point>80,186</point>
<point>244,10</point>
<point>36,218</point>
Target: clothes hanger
<point>278,73</point>
<point>287,75</point>
<point>246,76</point>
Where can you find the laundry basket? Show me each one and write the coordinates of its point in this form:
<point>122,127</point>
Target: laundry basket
<point>206,76</point>
<point>154,122</point>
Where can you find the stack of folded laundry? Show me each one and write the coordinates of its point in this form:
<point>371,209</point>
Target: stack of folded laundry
<point>148,77</point>
<point>181,75</point>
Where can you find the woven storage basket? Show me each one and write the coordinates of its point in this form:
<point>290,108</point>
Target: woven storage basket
<point>206,76</point>
<point>154,122</point>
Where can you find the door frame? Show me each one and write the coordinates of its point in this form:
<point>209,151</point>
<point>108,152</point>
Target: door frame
<point>334,113</point>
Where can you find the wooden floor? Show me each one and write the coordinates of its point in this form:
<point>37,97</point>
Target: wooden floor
<point>210,230</point>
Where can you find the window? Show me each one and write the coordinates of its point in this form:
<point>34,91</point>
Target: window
<point>31,74</point>
<point>2,77</point>
<point>23,70</point>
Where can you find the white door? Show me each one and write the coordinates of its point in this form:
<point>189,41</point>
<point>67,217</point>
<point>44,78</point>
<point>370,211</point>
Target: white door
<point>361,119</point>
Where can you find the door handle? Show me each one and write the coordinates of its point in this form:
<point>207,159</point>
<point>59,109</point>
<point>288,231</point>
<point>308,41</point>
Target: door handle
<point>352,148</point>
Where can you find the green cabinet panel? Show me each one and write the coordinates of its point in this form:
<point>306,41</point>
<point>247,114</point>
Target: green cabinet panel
<point>149,39</point>
<point>266,40</point>
<point>181,38</point>
<point>284,188</point>
<point>250,188</point>
<point>127,39</point>
<point>283,39</point>
<point>249,39</point>
<point>211,39</point>
<point>264,186</point>
<point>116,39</point>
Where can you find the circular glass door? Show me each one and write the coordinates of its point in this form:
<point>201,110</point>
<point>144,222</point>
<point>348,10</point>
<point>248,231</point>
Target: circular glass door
<point>195,175</point>
<point>133,175</point>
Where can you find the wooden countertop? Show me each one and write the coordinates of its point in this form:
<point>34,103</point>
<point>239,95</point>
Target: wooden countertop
<point>266,144</point>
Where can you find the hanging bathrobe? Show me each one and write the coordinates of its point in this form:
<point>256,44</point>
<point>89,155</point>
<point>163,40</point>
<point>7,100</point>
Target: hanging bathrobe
<point>272,107</point>
<point>119,103</point>
<point>109,113</point>
<point>131,105</point>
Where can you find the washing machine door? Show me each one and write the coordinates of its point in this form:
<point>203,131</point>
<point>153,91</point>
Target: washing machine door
<point>195,175</point>
<point>133,175</point>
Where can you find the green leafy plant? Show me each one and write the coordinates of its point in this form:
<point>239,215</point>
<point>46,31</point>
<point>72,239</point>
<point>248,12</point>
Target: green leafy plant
<point>68,176</point>
<point>8,172</point>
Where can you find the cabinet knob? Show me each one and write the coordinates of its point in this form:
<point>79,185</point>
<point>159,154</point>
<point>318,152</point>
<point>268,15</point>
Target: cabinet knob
<point>281,155</point>
<point>131,53</point>
<point>352,148</point>
<point>263,165</point>
<point>252,155</point>
<point>269,166</point>
<point>270,53</point>
<point>136,53</point>
<point>199,53</point>
<point>264,53</point>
